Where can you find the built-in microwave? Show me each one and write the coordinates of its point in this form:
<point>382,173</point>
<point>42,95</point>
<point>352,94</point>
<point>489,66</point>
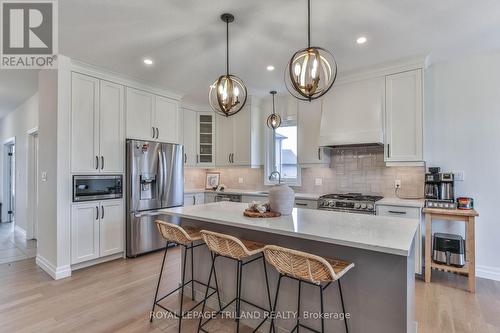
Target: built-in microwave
<point>98,187</point>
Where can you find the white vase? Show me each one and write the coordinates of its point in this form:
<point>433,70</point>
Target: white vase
<point>281,199</point>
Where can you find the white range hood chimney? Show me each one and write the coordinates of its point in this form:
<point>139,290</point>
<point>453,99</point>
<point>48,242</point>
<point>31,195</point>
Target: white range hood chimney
<point>352,114</point>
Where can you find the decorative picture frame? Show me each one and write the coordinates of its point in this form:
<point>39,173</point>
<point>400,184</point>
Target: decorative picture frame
<point>212,180</point>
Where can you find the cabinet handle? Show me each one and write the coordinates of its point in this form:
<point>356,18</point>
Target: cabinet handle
<point>185,158</point>
<point>96,213</point>
<point>232,157</point>
<point>102,214</point>
<point>319,154</point>
<point>153,129</point>
<point>194,200</point>
<point>388,150</point>
<point>397,212</point>
<point>102,162</point>
<point>97,162</point>
<point>197,158</point>
<point>301,204</point>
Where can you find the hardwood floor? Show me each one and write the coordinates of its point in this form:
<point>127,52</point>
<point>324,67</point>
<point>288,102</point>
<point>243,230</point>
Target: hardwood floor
<point>117,296</point>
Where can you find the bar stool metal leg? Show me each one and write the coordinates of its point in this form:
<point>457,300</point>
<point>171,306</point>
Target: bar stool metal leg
<point>343,306</point>
<point>158,284</point>
<point>322,309</point>
<point>182,288</point>
<point>274,306</point>
<point>192,273</point>
<point>216,284</point>
<point>206,292</point>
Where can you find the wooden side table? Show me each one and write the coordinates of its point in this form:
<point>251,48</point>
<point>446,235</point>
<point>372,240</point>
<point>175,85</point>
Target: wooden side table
<point>467,216</point>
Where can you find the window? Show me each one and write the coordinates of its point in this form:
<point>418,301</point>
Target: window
<point>281,154</point>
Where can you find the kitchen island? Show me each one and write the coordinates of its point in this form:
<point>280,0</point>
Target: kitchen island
<point>378,291</point>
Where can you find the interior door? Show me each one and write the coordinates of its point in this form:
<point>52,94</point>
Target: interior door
<point>112,136</point>
<point>140,108</point>
<point>166,120</point>
<point>84,124</point>
<point>84,232</point>
<point>111,227</point>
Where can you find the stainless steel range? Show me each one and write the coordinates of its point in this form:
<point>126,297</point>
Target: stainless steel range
<point>349,202</point>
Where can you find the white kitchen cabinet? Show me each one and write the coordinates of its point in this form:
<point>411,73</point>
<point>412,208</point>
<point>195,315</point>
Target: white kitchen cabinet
<point>225,140</point>
<point>97,136</point>
<point>84,232</point>
<point>309,122</point>
<point>84,123</point>
<point>189,137</point>
<point>152,117</point>
<point>240,137</point>
<point>209,197</point>
<point>166,120</point>
<point>140,112</point>
<point>192,199</point>
<point>404,117</point>
<point>409,213</point>
<point>97,230</point>
<point>111,127</point>
<point>205,144</point>
<point>111,228</point>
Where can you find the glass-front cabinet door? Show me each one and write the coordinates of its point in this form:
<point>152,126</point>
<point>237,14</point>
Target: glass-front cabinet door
<point>206,139</point>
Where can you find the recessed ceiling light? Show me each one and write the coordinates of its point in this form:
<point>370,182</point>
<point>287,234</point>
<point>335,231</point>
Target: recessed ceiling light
<point>270,68</point>
<point>148,61</point>
<point>361,40</point>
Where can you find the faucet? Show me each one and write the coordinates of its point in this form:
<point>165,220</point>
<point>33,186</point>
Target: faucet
<point>274,173</point>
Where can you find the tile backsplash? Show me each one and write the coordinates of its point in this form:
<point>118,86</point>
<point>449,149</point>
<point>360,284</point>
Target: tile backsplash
<point>352,170</point>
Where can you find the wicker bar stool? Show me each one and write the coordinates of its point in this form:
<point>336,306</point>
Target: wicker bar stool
<point>189,238</point>
<point>306,268</point>
<point>239,250</point>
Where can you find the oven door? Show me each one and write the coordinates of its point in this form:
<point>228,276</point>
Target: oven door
<point>92,188</point>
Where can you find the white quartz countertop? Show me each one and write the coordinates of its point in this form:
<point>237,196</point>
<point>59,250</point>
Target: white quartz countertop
<point>262,193</point>
<point>391,235</point>
<point>419,203</point>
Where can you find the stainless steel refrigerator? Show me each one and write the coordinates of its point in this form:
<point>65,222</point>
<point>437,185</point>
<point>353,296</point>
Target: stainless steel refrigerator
<point>155,180</point>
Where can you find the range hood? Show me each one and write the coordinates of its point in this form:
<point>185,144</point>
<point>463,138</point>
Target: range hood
<point>352,114</point>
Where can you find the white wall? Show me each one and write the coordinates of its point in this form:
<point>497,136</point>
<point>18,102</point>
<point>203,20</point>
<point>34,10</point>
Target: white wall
<point>16,124</point>
<point>462,122</point>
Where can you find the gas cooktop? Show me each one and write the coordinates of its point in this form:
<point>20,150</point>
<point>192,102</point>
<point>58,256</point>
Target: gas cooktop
<point>349,202</point>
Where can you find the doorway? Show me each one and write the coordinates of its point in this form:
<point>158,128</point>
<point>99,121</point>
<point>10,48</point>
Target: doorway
<point>32,184</point>
<point>9,205</point>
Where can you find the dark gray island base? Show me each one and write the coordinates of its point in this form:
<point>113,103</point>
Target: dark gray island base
<point>378,292</point>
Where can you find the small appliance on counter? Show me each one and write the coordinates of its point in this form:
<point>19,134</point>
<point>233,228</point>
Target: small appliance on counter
<point>439,189</point>
<point>448,249</point>
<point>465,203</point>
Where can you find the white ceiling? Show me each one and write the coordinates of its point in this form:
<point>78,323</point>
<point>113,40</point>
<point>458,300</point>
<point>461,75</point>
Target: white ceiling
<point>186,38</point>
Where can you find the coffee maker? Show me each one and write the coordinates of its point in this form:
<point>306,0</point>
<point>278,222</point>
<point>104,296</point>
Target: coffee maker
<point>439,189</point>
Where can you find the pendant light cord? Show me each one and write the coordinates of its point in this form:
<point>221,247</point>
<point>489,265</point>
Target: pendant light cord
<point>308,23</point>
<point>274,110</point>
<point>227,47</point>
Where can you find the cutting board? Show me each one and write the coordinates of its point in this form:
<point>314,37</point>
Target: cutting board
<point>254,214</point>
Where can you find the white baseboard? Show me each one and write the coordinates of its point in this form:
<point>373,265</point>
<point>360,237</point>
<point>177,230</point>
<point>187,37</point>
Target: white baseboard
<point>56,273</point>
<point>20,231</point>
<point>488,272</point>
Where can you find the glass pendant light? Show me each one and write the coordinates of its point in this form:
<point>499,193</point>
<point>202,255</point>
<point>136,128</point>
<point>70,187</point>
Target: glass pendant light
<point>228,93</point>
<point>311,71</point>
<point>274,120</point>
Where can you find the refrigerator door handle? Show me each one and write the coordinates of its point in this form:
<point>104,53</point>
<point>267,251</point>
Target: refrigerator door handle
<point>161,176</point>
<point>139,215</point>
